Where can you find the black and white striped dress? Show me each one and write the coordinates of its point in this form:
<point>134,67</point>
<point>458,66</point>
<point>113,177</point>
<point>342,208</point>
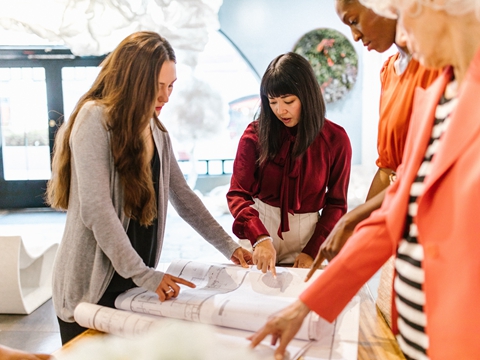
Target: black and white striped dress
<point>408,283</point>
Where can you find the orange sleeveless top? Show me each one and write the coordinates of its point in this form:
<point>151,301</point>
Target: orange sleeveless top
<point>396,102</point>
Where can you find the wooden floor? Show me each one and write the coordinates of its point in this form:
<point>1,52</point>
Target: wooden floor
<point>37,332</point>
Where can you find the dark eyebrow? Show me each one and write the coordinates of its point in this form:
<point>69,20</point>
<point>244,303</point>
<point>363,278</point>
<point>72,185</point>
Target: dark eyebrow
<point>281,96</point>
<point>344,18</point>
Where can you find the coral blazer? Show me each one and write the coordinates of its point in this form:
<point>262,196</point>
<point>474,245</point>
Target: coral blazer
<point>448,222</point>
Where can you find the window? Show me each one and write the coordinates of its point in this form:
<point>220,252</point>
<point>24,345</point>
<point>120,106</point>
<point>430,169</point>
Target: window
<point>224,74</point>
<point>23,108</point>
<point>39,86</point>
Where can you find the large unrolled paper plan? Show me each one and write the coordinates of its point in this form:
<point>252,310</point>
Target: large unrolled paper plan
<point>229,297</point>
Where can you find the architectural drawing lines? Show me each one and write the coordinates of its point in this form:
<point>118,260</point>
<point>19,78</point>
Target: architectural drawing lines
<point>333,340</point>
<point>218,281</point>
<point>234,299</point>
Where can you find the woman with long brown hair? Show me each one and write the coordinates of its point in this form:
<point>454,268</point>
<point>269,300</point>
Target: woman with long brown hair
<point>114,171</point>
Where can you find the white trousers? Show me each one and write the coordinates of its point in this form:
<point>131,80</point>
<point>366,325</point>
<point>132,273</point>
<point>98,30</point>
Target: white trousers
<point>302,227</point>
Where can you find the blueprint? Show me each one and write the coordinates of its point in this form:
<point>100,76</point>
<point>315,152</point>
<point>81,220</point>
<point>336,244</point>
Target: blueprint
<point>238,301</point>
<point>113,321</point>
<point>229,296</point>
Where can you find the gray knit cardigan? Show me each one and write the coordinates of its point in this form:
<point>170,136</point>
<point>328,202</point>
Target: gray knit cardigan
<point>95,242</point>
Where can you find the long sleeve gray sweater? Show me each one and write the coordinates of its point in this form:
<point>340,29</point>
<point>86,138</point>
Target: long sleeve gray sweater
<point>95,242</point>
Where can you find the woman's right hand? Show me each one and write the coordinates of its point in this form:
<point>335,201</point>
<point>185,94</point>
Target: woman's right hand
<point>345,226</point>
<point>337,238</point>
<point>169,287</point>
<point>339,235</point>
<point>265,256</point>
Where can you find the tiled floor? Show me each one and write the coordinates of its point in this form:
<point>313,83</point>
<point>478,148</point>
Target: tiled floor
<point>38,332</point>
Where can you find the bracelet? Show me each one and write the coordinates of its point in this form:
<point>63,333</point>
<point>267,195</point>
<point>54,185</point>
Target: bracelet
<point>262,240</point>
<point>392,177</point>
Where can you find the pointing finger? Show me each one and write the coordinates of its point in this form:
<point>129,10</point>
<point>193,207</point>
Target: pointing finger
<point>316,264</point>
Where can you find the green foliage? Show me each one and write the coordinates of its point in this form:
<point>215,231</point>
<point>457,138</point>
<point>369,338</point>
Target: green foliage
<point>333,59</point>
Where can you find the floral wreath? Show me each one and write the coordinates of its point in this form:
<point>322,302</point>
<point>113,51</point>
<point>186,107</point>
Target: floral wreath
<point>334,61</point>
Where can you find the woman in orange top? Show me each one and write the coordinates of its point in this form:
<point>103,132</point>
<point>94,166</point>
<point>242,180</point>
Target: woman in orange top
<point>400,76</point>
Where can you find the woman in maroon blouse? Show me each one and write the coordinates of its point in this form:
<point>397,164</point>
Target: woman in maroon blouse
<point>291,171</point>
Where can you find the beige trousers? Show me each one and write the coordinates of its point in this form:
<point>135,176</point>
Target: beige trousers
<point>302,227</point>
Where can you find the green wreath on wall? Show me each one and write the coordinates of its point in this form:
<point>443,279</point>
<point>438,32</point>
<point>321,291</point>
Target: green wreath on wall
<point>334,61</point>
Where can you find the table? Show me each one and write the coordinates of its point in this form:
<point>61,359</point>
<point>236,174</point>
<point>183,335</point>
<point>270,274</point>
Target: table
<point>375,339</point>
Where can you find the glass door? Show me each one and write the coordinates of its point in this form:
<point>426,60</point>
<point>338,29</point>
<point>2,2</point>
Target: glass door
<point>25,138</point>
<point>38,90</point>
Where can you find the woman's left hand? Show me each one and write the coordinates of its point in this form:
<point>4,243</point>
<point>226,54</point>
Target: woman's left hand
<point>242,257</point>
<point>303,261</point>
<point>169,287</point>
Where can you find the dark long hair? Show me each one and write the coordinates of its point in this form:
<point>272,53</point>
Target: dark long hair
<point>127,86</point>
<point>289,74</point>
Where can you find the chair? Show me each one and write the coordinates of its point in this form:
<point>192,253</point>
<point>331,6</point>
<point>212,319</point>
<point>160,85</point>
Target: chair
<point>26,279</point>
